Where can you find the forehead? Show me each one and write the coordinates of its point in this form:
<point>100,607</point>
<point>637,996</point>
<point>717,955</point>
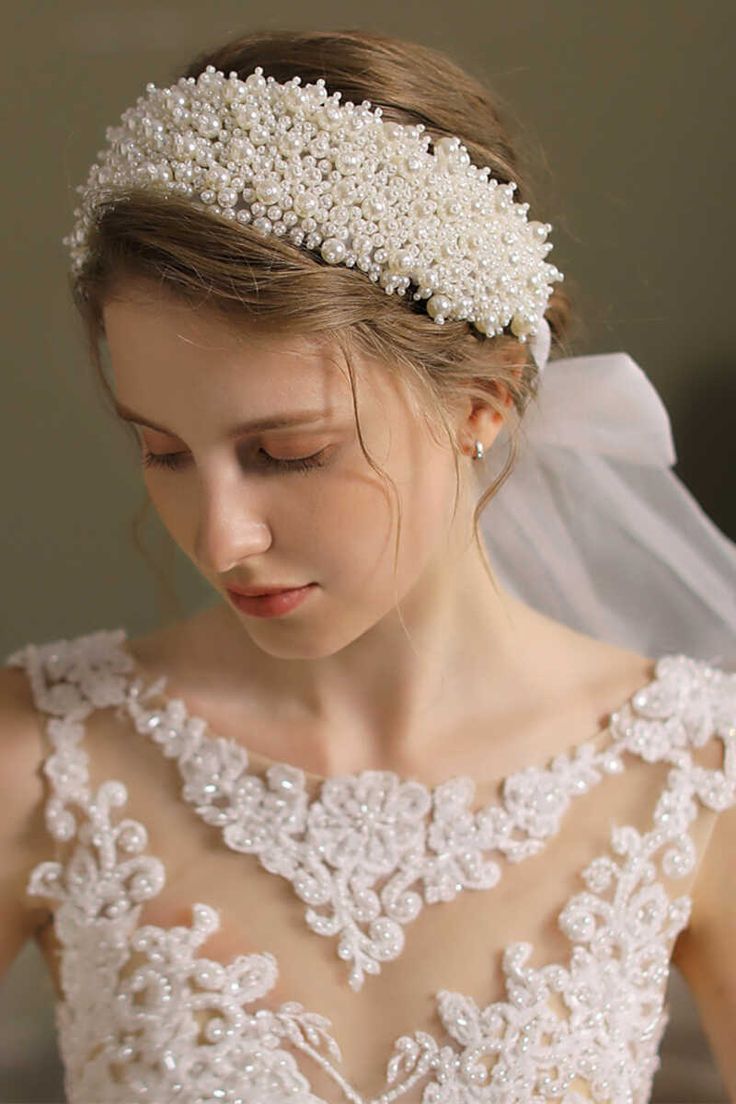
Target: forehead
<point>164,350</point>
<point>160,345</point>
<point>142,318</point>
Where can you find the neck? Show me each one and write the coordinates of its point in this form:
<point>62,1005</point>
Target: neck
<point>459,650</point>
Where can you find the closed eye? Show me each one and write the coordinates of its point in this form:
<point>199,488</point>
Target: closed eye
<point>173,461</point>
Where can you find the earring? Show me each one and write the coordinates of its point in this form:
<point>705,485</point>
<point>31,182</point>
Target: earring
<point>478,451</point>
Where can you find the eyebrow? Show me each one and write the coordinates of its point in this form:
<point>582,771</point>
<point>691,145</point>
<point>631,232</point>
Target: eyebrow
<point>278,421</point>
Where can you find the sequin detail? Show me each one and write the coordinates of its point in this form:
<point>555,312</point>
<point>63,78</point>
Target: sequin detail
<point>183,1027</point>
<point>363,829</point>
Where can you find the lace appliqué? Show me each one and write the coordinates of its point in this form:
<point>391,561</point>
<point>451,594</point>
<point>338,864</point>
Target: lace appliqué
<point>188,1028</point>
<point>136,1035</point>
<point>363,828</point>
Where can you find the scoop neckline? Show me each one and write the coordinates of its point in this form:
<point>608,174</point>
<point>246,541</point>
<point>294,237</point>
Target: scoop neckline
<point>262,763</point>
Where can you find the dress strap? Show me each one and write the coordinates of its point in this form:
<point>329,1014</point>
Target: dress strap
<point>69,679</point>
<point>689,707</point>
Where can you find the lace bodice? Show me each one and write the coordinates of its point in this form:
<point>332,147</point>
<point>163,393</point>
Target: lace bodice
<point>365,856</point>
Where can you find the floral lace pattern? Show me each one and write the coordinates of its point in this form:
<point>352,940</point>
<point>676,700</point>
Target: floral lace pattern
<point>179,1026</point>
<point>363,828</point>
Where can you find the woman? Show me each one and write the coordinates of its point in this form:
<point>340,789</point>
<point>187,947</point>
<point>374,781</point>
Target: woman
<point>502,827</point>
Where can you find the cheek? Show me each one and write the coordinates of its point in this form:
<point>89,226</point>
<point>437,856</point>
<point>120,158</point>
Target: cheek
<point>354,529</point>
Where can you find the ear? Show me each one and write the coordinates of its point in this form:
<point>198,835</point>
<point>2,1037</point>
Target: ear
<point>480,421</point>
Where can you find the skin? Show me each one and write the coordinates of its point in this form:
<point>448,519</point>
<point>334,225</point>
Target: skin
<point>373,685</point>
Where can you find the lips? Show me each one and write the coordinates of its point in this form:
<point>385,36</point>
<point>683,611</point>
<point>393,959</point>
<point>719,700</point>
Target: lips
<point>257,592</point>
<point>271,605</point>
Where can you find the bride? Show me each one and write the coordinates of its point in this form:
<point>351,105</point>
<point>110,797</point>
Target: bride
<point>504,802</point>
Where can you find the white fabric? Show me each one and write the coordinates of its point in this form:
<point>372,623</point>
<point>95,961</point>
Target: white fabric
<point>594,528</point>
<point>147,1015</point>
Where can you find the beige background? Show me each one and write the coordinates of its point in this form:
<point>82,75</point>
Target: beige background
<point>628,107</point>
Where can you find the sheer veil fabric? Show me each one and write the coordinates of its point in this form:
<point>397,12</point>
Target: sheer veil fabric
<point>594,528</point>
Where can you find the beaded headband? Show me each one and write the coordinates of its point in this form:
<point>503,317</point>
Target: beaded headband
<point>335,178</point>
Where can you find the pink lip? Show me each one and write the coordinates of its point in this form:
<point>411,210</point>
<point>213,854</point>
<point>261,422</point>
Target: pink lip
<point>257,592</point>
<point>271,605</point>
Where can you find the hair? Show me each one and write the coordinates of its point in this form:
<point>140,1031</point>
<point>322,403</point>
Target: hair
<point>267,284</point>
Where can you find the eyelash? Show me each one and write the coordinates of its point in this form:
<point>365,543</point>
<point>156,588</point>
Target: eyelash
<point>172,461</point>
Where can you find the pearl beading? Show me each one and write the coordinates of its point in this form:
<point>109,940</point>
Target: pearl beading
<point>335,178</point>
<point>364,829</point>
<point>138,1034</point>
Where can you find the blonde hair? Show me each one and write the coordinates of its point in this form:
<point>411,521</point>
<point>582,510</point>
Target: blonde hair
<point>268,284</point>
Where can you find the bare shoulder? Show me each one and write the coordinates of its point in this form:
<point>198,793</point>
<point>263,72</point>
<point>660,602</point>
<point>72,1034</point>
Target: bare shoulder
<point>607,673</point>
<point>21,738</point>
<point>23,836</point>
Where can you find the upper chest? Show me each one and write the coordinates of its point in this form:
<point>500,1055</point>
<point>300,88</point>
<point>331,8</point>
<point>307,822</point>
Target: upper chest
<point>454,945</point>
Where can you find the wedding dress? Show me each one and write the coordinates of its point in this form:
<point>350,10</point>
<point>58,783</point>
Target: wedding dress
<point>570,1008</point>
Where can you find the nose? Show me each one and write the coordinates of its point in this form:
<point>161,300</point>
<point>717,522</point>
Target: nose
<point>230,526</point>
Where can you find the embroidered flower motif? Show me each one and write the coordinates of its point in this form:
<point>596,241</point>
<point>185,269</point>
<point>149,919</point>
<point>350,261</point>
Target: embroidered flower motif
<point>364,828</point>
<point>179,1026</point>
<point>536,799</point>
<point>456,840</point>
<point>372,817</point>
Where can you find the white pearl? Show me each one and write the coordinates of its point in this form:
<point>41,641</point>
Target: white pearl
<point>438,305</point>
<point>357,178</point>
<point>333,250</point>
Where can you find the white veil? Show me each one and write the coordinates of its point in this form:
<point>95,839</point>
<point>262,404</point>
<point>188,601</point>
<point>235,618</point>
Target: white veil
<point>593,527</point>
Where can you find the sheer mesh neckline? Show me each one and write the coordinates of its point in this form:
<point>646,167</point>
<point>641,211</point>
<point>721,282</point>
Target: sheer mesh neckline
<point>153,686</point>
<point>337,845</point>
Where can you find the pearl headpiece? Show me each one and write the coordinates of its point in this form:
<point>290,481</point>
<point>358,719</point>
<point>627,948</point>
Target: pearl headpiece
<point>294,162</point>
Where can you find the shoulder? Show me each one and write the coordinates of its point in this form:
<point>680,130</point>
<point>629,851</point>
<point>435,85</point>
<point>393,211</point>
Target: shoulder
<point>706,949</point>
<point>59,657</point>
<point>21,748</point>
<point>19,721</point>
<point>67,675</point>
<point>41,683</point>
<point>23,839</point>
<point>685,713</point>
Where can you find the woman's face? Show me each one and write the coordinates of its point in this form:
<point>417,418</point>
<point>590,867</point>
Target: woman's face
<point>288,505</point>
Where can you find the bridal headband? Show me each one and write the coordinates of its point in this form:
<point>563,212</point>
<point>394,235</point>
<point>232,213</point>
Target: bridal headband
<point>335,178</point>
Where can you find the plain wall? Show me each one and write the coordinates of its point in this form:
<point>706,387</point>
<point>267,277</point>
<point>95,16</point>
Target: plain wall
<point>628,106</point>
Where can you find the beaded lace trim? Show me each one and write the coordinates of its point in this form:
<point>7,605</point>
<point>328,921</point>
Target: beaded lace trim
<point>138,1035</point>
<point>364,828</point>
